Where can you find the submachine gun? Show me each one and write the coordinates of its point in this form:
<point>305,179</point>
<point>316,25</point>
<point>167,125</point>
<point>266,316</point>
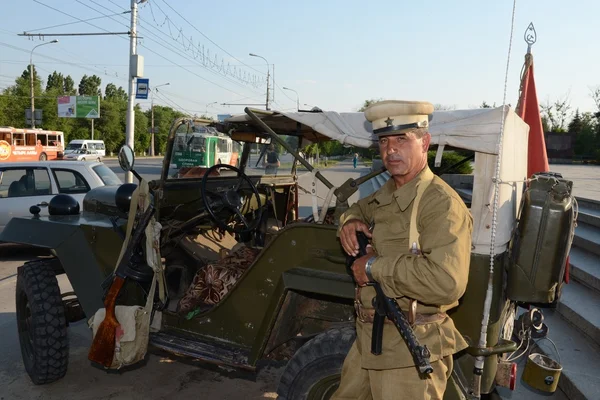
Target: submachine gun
<point>387,307</point>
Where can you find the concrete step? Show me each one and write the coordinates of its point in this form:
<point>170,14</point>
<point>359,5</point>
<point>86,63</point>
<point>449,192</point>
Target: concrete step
<point>588,203</point>
<point>580,306</point>
<point>587,237</point>
<point>579,357</point>
<point>588,215</point>
<point>585,268</point>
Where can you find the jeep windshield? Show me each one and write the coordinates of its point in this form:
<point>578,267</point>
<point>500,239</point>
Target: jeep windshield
<point>197,147</point>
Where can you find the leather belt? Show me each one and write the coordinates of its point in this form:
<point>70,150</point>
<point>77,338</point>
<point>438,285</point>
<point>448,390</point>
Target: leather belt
<point>366,315</point>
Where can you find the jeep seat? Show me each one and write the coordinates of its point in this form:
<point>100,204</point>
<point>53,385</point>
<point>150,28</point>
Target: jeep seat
<point>217,278</point>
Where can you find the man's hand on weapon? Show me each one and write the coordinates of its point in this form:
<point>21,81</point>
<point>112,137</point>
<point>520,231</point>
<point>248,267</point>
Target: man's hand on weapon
<point>350,242</point>
<point>358,267</point>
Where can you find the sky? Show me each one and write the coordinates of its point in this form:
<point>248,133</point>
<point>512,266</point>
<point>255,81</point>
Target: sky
<point>335,54</point>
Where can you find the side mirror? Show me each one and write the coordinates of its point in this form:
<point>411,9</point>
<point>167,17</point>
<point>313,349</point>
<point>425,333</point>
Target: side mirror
<point>126,158</point>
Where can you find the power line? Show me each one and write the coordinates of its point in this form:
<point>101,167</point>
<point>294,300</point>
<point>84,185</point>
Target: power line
<point>89,23</point>
<point>77,22</point>
<point>69,15</point>
<point>121,65</point>
<point>209,39</point>
<point>49,57</point>
<point>177,106</point>
<point>169,47</point>
<point>205,55</point>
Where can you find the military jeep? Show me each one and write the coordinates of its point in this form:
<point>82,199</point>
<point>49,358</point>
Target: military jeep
<point>290,297</point>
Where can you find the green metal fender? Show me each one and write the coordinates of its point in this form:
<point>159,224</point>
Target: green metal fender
<point>75,240</point>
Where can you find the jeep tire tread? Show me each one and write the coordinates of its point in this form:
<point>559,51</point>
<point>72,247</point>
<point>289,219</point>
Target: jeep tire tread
<point>41,322</point>
<point>313,372</point>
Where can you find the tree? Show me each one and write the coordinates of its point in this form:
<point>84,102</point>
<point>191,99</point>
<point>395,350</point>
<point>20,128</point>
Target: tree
<point>56,81</point>
<point>111,92</point>
<point>486,105</point>
<point>596,97</point>
<point>367,103</point>
<point>69,88</point>
<point>585,140</point>
<point>141,132</point>
<point>443,107</point>
<point>576,124</point>
<point>90,86</point>
<point>163,118</point>
<point>555,115</point>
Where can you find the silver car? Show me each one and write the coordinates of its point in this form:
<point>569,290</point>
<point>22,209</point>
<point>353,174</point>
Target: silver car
<point>83,155</point>
<point>23,184</point>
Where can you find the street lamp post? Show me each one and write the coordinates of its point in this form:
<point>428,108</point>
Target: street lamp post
<point>268,77</point>
<point>31,81</point>
<point>297,98</point>
<point>152,123</point>
<point>206,107</point>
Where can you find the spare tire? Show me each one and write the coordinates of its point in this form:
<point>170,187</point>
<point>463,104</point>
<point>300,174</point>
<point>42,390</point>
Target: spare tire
<point>315,369</point>
<point>41,322</point>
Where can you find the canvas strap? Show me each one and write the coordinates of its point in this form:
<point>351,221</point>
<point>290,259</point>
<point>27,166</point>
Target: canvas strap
<point>413,241</point>
<point>413,238</point>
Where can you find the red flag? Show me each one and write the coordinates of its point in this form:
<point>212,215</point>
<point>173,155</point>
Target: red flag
<point>529,110</point>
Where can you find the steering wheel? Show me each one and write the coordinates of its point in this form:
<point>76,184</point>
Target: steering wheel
<point>230,201</point>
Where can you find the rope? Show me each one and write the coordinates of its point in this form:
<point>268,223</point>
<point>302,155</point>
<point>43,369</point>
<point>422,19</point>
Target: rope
<point>479,361</point>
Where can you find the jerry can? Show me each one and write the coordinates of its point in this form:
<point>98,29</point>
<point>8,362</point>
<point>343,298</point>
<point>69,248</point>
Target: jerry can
<point>541,240</point>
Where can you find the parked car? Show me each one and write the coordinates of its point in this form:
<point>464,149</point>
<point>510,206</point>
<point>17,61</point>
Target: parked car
<point>84,155</point>
<point>23,184</point>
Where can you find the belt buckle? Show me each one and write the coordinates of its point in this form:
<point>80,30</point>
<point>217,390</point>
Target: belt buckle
<point>358,309</point>
<point>358,305</point>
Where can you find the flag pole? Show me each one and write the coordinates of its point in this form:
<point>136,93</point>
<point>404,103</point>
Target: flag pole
<point>530,37</point>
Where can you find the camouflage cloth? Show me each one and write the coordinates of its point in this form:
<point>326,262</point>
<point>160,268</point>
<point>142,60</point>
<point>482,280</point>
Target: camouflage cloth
<point>216,279</point>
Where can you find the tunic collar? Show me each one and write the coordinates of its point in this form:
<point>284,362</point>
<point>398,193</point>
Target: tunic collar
<point>406,193</point>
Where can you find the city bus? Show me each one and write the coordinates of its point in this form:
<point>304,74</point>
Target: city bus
<point>18,144</point>
<point>204,147</point>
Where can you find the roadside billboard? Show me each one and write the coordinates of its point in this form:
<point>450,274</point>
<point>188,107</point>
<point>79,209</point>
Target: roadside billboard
<point>78,106</point>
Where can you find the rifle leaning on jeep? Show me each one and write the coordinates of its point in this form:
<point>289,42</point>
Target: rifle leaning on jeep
<point>387,307</point>
<point>102,350</point>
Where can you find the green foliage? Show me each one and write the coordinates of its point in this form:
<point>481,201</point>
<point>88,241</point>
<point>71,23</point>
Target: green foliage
<point>367,103</point>
<point>111,125</point>
<point>163,118</point>
<point>448,159</point>
<point>90,86</point>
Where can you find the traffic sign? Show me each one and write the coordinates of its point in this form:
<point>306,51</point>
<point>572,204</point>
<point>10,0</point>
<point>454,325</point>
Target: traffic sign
<point>142,87</point>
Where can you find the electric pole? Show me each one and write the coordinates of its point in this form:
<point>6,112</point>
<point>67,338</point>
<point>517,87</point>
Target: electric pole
<point>135,70</point>
<point>297,97</point>
<point>31,79</point>
<point>268,77</point>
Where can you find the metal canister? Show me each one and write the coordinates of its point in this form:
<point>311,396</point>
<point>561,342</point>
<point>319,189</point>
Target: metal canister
<point>542,240</point>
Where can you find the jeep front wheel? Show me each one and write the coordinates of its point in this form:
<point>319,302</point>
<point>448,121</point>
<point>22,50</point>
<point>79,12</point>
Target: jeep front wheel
<point>314,370</point>
<point>41,323</point>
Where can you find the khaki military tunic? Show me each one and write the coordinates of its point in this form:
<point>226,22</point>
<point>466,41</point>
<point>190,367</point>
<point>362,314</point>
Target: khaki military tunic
<point>436,279</point>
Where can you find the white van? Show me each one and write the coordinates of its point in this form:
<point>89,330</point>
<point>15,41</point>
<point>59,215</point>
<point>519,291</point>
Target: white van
<point>84,144</point>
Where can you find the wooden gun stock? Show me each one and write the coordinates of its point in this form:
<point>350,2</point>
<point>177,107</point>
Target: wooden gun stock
<point>103,346</point>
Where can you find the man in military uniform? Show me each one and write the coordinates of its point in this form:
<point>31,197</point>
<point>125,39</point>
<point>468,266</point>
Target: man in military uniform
<point>424,265</point>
